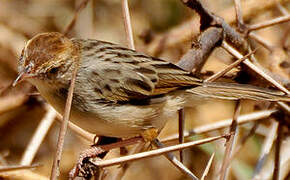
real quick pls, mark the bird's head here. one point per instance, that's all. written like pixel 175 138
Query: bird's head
pixel 45 56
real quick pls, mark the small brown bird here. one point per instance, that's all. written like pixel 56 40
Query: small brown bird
pixel 121 92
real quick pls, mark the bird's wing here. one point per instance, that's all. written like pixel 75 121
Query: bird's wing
pixel 121 74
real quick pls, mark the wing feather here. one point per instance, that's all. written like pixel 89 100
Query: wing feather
pixel 122 74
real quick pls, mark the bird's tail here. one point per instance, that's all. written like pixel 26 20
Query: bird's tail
pixel 233 91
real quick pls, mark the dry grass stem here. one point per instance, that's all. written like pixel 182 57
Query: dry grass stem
pixel 38 136
pixel 59 148
pixel 239 15
pixel 230 142
pixel 277 152
pixel 243 142
pixel 156 152
pixel 206 170
pixel 237 54
pixel 269 23
pixel 228 68
pixel 82 5
pixel 268 143
pixel 79 131
pixel 22 175
pixel 223 124
pixel 261 41
pixel 170 156
pixel 17 167
pixel 127 24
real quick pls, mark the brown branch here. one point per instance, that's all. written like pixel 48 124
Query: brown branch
pixel 157 152
pixel 237 54
pixel 277 152
pixel 268 143
pixel 230 142
pixel 209 163
pixel 228 68
pixel 17 167
pixel 223 124
pixel 56 162
pixel 170 156
pixel 239 15
pixel 196 57
pixel 82 5
pixel 268 23
pixel 181 123
pixel 127 24
pixel 38 136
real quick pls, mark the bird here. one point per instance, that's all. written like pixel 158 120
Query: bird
pixel 120 92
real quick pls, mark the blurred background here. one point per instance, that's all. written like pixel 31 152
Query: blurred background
pixel 163 28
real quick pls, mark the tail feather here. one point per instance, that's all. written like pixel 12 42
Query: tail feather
pixel 233 91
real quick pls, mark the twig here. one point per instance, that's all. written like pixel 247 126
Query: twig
pixel 82 5
pixel 239 15
pixel 205 172
pixel 277 152
pixel 243 141
pixel 261 41
pixel 223 124
pixel 17 167
pixel 196 57
pixel 79 131
pixel 38 136
pixel 156 152
pixel 268 143
pixel 170 156
pixel 235 53
pixel 228 68
pixel 181 122
pixel 269 23
pixel 230 142
pixel 127 24
pixel 56 162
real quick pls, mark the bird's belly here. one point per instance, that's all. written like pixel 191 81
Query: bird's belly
pixel 115 120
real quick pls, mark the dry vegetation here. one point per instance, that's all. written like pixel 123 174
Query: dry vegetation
pixel 163 28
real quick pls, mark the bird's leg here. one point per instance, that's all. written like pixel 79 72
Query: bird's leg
pixel 85 168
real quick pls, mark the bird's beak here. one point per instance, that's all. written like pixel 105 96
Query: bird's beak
pixel 22 76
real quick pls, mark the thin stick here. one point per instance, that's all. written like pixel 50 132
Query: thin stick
pixel 223 124
pixel 156 152
pixel 269 23
pixel 127 24
pixel 268 143
pixel 82 5
pixel 228 68
pixel 181 122
pixel 261 41
pixel 56 162
pixel 209 163
pixel 79 131
pixel 277 152
pixel 243 141
pixel 38 136
pixel 17 167
pixel 230 142
pixel 237 54
pixel 239 15
pixel 170 156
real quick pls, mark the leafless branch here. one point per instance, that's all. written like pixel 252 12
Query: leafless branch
pixel 230 142
pixel 56 162
pixel 38 136
pixel 127 24
pixel 272 22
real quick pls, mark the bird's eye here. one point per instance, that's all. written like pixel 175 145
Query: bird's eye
pixel 53 70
